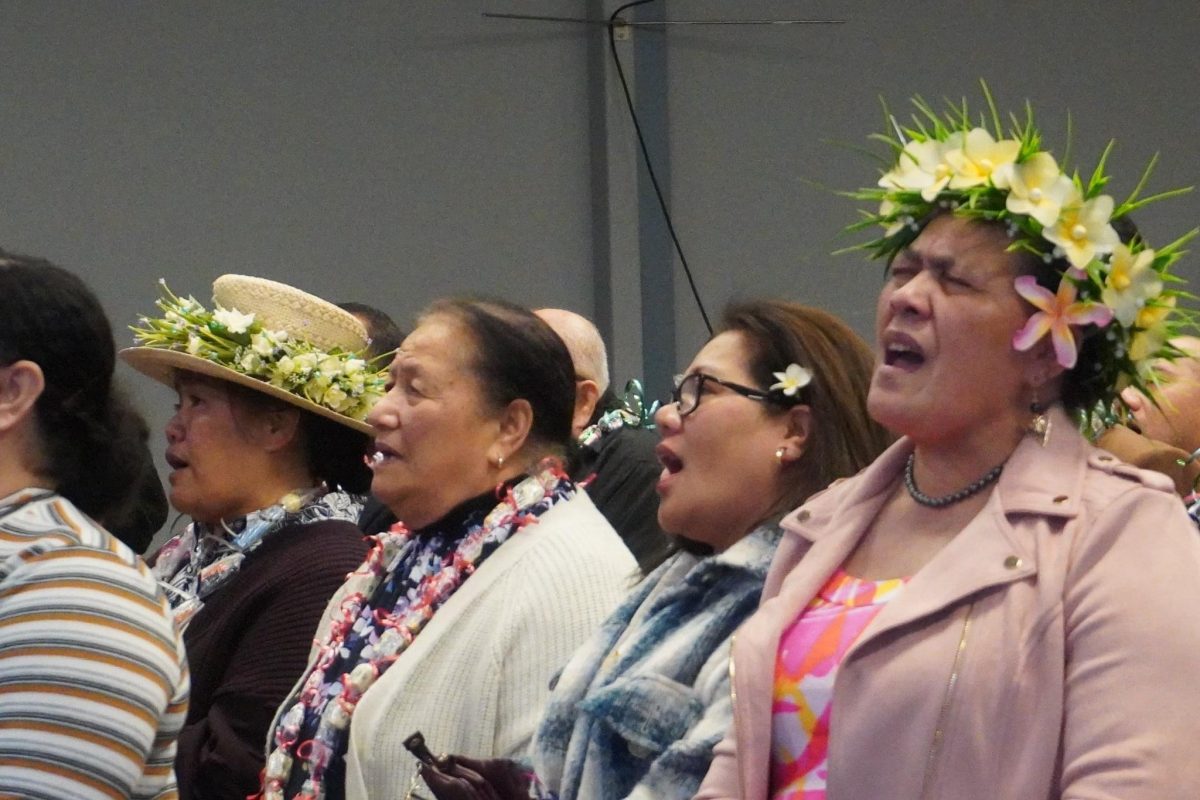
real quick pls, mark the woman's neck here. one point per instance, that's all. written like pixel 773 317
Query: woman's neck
pixel 947 465
pixel 269 496
pixel 15 477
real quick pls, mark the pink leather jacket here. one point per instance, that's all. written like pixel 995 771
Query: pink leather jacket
pixel 1051 650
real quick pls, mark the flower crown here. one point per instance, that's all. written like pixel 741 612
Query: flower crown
pixel 335 379
pixel 1118 292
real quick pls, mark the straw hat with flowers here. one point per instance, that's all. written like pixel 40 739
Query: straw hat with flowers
pixel 269 337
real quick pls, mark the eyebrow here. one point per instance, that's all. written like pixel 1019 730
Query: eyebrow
pixel 938 264
pixel 397 366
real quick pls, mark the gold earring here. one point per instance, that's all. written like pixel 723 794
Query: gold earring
pixel 1039 426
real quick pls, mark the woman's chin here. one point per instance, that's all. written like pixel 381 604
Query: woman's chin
pixel 898 417
pixel 184 503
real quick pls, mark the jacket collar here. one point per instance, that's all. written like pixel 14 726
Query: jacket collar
pixel 1045 481
pixel 1036 480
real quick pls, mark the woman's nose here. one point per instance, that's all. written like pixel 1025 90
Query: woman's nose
pixel 174 429
pixel 910 298
pixel 383 415
pixel 667 417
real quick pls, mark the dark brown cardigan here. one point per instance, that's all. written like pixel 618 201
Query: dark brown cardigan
pixel 247 648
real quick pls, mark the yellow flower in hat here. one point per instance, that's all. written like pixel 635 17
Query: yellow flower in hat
pixel 923 167
pixel 979 158
pixel 1083 231
pixel 1037 188
pixel 1132 281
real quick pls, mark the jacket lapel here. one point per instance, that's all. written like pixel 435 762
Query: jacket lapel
pixel 1044 481
pixel 818 537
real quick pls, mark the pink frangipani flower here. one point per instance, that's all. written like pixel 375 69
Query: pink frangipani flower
pixel 1055 315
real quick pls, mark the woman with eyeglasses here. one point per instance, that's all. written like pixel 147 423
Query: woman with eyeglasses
pixel 771 410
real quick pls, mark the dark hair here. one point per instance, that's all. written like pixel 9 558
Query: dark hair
pixel 139 516
pixel 383 334
pixel 333 453
pixel 517 355
pixel 844 438
pixel 91 447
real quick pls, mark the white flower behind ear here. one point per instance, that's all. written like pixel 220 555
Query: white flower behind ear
pixel 792 380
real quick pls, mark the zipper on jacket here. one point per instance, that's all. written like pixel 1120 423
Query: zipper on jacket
pixel 935 747
pixel 732 685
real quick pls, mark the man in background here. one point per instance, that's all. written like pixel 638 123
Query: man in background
pixel 615 456
pixel 1165 428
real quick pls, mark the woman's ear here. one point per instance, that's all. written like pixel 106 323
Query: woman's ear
pixel 797 430
pixel 515 422
pixel 587 395
pixel 278 428
pixel 1042 369
pixel 21 384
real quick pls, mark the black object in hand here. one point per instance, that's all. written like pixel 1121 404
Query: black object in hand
pixel 415 744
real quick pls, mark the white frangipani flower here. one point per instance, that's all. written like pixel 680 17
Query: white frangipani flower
pixel 1131 283
pixel 1037 188
pixel 791 380
pixel 923 167
pixel 1083 231
pixel 979 158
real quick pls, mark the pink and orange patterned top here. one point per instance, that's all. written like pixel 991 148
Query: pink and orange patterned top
pixel 810 651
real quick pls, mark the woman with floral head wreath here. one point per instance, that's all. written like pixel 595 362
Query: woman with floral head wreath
pixel 994 608
pixel 771 410
pixel 499 567
pixel 93 677
pixel 266 452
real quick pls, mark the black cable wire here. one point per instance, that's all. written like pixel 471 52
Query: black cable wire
pixel 662 203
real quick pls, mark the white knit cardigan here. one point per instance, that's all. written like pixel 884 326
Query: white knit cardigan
pixel 476 679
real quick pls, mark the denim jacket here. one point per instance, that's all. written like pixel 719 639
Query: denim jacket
pixel 637 710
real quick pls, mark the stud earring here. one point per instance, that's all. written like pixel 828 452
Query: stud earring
pixel 780 452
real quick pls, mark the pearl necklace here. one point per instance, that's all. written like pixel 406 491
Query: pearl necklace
pixel 910 483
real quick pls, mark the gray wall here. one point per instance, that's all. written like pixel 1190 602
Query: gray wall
pixel 761 119
pixel 397 151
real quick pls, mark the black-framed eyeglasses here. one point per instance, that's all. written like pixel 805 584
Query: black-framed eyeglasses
pixel 689 388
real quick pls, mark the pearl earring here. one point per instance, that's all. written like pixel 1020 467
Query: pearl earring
pixel 780 452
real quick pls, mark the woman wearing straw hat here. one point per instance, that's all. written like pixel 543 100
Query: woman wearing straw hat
pixel 266 454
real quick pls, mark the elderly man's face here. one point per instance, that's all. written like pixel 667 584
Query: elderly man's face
pixel 1176 419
